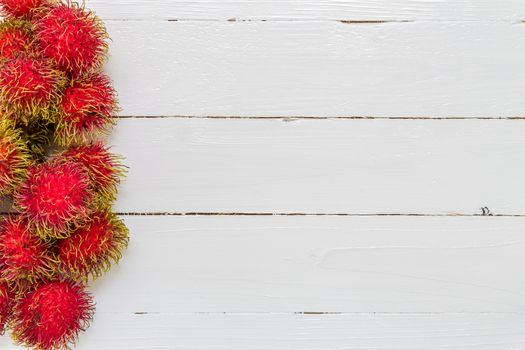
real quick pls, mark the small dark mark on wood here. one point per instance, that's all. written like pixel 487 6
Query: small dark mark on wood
pixel 141 313
pixel 346 21
pixel 232 19
pixel 318 313
pixel 485 211
pixel 362 21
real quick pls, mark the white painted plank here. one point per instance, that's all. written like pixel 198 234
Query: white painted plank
pixel 434 10
pixel 305 332
pixel 322 166
pixel 318 264
pixel 319 69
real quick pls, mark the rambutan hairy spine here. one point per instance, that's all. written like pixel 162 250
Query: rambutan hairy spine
pixel 7 299
pixel 37 134
pixel 104 168
pixel 50 316
pixel 15 39
pixel 15 158
pixel 20 8
pixel 24 256
pixel 57 178
pixel 29 87
pixel 73 37
pixel 94 247
pixel 56 197
pixel 85 111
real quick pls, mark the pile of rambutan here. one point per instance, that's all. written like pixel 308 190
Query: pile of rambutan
pixel 58 181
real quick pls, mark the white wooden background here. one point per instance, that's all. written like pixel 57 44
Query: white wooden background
pixel 309 175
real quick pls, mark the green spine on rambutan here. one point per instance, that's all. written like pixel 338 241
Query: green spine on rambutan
pixel 15 158
pixel 105 169
pixel 56 198
pixel 76 256
pixel 8 49
pixel 37 134
pixel 27 258
pixel 85 112
pixel 25 111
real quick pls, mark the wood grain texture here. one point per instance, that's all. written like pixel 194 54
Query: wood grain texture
pixel 444 167
pixel 433 10
pixel 305 332
pixel 318 264
pixel 319 69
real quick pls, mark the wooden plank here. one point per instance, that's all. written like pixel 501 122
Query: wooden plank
pixel 318 264
pixel 305 332
pixel 433 10
pixel 444 167
pixel 319 69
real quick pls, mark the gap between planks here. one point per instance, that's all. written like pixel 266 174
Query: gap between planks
pixel 482 214
pixel 309 313
pixel 342 21
pixel 292 118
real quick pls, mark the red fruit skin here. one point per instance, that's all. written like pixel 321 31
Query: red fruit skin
pixel 55 197
pixel 19 8
pixel 86 108
pixel 24 255
pixel 104 168
pixel 52 315
pixel 6 305
pixel 15 40
pixel 92 249
pixel 72 37
pixel 28 85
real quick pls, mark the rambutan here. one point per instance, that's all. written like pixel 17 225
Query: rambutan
pixel 105 169
pixel 6 304
pixel 57 179
pixel 51 315
pixel 72 37
pixel 20 8
pixel 28 86
pixel 92 248
pixel 55 198
pixel 15 38
pixel 24 255
pixel 37 135
pixel 85 110
pixel 14 159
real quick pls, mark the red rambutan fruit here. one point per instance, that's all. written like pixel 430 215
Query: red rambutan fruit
pixel 28 86
pixel 51 315
pixel 20 8
pixel 85 110
pixel 24 255
pixel 15 39
pixel 6 304
pixel 105 169
pixel 92 248
pixel 14 159
pixel 55 198
pixel 72 37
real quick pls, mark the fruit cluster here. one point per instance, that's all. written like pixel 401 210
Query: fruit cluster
pixel 57 179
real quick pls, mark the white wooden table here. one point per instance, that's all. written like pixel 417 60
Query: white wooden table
pixel 310 175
